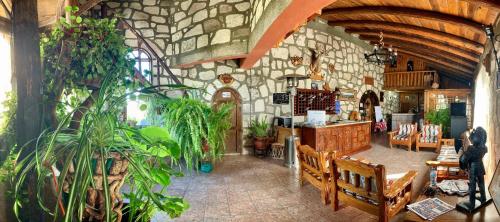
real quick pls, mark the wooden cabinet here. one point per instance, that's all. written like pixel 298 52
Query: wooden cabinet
pixel 344 138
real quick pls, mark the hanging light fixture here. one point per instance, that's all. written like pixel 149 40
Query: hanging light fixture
pixel 381 54
pixel 490 33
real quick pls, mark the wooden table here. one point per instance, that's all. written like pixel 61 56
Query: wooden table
pixel 488 213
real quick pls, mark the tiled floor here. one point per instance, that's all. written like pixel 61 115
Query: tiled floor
pixel 246 188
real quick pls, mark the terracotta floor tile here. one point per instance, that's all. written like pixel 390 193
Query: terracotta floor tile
pixel 245 188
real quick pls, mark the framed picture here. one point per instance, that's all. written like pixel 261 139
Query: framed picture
pixel 347 95
pixel 314 85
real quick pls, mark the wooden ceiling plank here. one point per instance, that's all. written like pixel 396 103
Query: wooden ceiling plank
pixel 458 69
pixel 407 12
pixel 416 40
pixel 7 10
pixel 443 36
pixel 492 4
pixel 421 48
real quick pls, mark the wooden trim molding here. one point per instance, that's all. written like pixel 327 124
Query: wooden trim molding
pixel 294 15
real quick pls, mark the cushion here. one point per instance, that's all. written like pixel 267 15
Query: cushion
pixel 429 134
pixel 404 132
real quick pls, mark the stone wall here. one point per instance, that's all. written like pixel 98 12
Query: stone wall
pixel 257 84
pixel 202 23
pixel 215 26
pixel 487 106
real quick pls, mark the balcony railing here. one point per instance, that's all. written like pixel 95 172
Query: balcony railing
pixel 414 80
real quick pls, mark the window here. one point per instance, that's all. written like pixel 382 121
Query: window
pixel 5 70
pixel 143 62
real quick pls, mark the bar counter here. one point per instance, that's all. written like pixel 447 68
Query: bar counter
pixel 346 137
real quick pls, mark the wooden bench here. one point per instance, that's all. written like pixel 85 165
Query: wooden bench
pixel 363 186
pixel 313 166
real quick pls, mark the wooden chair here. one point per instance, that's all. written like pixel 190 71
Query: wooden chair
pixel 364 186
pixel 430 137
pixel 278 143
pixel 405 135
pixel 313 166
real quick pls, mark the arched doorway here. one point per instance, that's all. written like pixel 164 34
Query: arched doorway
pixel 234 136
pixel 367 104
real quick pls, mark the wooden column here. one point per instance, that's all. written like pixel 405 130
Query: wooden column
pixel 27 71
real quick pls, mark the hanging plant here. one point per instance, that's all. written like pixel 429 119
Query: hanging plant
pixel 76 55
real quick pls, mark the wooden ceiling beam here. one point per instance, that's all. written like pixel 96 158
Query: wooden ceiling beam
pixel 420 40
pixel 6 9
pixel 493 4
pixel 424 49
pixel 407 12
pixel 411 29
pixel 456 69
pixel 421 37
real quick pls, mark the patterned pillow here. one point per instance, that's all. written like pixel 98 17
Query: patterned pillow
pixel 405 131
pixel 430 134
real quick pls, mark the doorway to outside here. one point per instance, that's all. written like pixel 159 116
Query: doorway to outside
pixel 234 135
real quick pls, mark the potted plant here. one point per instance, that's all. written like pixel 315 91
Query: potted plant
pixel 87 154
pixel 199 129
pixel 259 132
pixel 440 117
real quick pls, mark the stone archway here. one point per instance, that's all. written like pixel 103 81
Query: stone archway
pixel 367 104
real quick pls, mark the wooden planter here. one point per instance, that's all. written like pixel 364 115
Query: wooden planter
pixel 117 169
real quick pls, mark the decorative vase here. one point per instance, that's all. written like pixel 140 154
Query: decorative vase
pixel 117 169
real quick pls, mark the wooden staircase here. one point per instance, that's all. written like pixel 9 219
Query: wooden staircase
pixel 414 80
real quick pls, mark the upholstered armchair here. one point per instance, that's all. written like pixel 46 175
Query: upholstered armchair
pixel 364 186
pixel 404 136
pixel 429 137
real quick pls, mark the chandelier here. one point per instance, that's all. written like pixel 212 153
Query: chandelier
pixel 381 54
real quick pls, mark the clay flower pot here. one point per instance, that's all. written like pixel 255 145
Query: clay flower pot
pixel 259 143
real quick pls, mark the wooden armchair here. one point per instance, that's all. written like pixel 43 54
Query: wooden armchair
pixel 405 135
pixel 313 166
pixel 430 137
pixel 364 186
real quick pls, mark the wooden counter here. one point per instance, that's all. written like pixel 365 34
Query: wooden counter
pixel 345 138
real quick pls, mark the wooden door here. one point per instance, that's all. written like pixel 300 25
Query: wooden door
pixel 233 137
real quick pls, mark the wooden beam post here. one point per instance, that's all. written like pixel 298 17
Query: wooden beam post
pixel 27 71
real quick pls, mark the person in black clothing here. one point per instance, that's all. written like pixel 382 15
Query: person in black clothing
pixel 472 161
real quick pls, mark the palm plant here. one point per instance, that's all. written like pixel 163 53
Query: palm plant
pixel 259 128
pixel 259 131
pixel 77 155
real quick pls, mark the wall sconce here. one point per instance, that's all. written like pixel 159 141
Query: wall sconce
pixel 490 33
